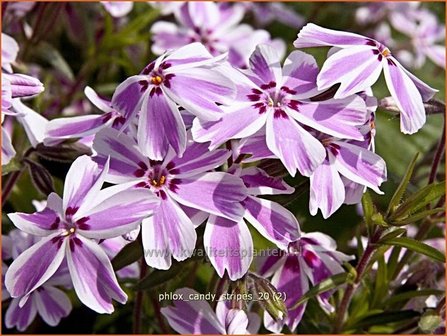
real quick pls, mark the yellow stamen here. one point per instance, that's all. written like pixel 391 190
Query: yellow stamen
pixel 373 124
pixel 386 52
pixel 159 183
pixel 156 80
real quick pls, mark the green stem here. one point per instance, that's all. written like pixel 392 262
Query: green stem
pixel 139 299
pixel 351 288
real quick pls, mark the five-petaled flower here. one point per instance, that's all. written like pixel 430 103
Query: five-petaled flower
pixel 188 77
pixel 186 187
pixel 69 226
pixel 278 99
pixel 358 65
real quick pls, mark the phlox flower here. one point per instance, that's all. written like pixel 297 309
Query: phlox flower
pixel 185 77
pixel 67 227
pixel 310 260
pixel 278 100
pixel 358 65
pixel 229 244
pixel 217 26
pixel 198 318
pixel 426 33
pixel 186 188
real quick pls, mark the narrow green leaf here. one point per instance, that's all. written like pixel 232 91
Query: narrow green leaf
pixel 399 193
pixel 385 318
pixel 158 277
pixel 417 217
pixel 51 55
pixel 393 234
pixel 416 246
pixel 419 200
pixel 129 254
pixel 393 260
pixel 368 208
pixel 325 285
pixel 412 294
pixel 381 284
pixel 12 166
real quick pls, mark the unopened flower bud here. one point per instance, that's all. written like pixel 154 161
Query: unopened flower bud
pixel 267 295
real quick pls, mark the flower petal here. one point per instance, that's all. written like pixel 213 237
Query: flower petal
pixel 300 73
pixel 52 304
pixel 74 127
pixel 217 193
pixel 8 151
pixel 115 211
pixel 294 146
pixel 327 191
pixel 356 68
pixel 258 182
pixel 167 36
pixel 198 159
pixel 236 322
pixel 272 220
pixel 33 123
pixel 229 246
pixel 20 317
pixel 290 280
pixel 249 121
pixel 35 266
pixel 312 35
pixel 128 96
pixel 93 278
pixel 82 183
pixel 338 117
pixel 23 85
pixel 407 98
pixel 192 317
pixel 124 153
pixel 169 232
pixel 265 65
pixel 160 125
pixel 199 89
pixel 41 223
pixel 360 165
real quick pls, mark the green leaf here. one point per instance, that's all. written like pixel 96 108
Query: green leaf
pixel 381 285
pixel 325 285
pixel 416 246
pixel 398 194
pixel 384 318
pixel 129 254
pixel 12 166
pixel 368 209
pixel 51 55
pixel 417 217
pixel 412 294
pixel 419 200
pixel 393 234
pixel 159 277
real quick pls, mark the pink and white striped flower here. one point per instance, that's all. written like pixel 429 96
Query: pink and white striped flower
pixel 68 228
pixel 358 65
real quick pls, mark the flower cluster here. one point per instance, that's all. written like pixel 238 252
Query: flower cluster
pixel 176 149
